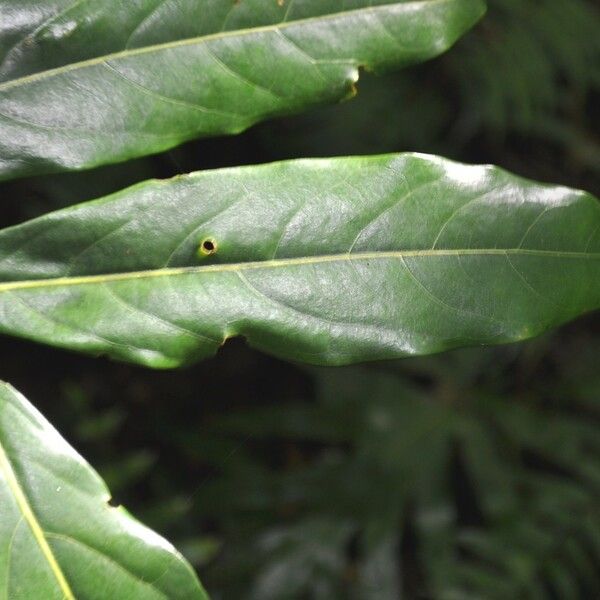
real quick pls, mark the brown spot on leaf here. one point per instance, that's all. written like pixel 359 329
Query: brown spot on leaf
pixel 208 246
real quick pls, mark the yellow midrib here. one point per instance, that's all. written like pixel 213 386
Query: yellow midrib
pixel 202 39
pixel 29 516
pixel 282 263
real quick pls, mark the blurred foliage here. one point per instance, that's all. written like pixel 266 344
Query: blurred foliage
pixel 471 475
pixel 451 477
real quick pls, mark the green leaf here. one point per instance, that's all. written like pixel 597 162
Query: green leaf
pixel 279 57
pixel 324 261
pixel 59 537
pixel 36 36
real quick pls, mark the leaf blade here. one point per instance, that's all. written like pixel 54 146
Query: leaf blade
pixel 146 100
pixel 108 540
pixel 325 261
pixel 29 517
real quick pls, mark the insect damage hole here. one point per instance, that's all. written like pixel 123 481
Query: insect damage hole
pixel 208 246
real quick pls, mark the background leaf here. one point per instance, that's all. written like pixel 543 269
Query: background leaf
pixel 140 101
pixel 60 537
pixel 329 261
pixel 447 477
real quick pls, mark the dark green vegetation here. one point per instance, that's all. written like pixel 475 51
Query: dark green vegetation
pixel 472 474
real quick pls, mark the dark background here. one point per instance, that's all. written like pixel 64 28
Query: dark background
pixel 473 474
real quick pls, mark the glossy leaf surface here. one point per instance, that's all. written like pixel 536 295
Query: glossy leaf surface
pixel 325 261
pixel 59 537
pixel 143 88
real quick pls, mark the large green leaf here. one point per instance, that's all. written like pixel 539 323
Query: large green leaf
pixel 35 36
pixel 325 261
pixel 59 537
pixel 277 57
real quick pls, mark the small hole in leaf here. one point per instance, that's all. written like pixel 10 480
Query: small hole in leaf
pixel 208 247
